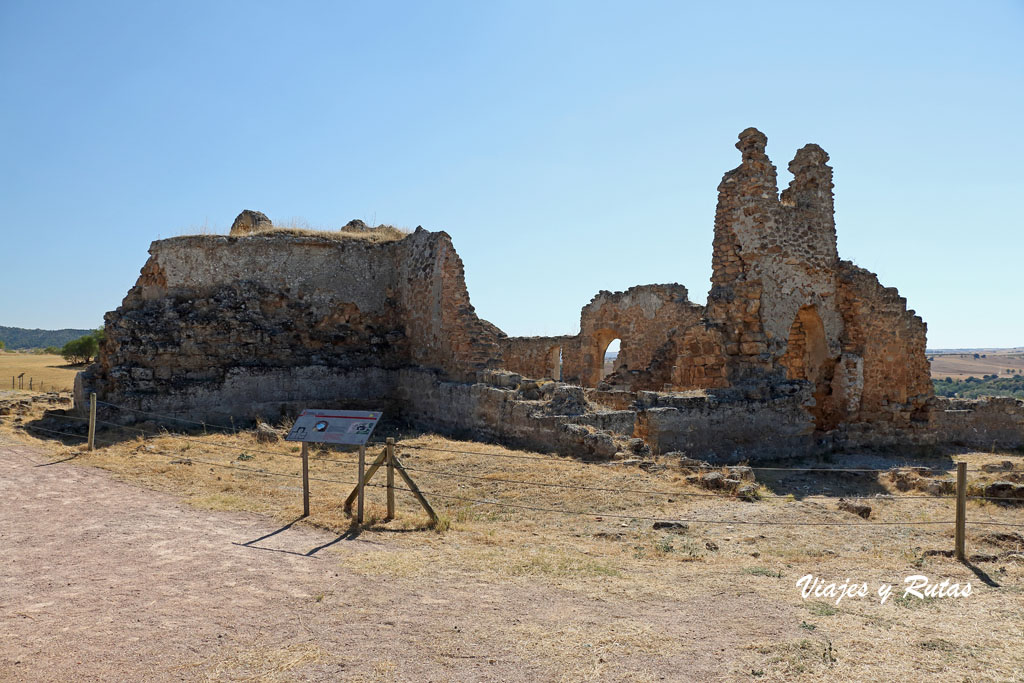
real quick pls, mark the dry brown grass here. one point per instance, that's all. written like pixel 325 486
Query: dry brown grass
pixel 53 371
pixel 380 234
pixel 964 365
pixel 612 555
pixel 298 227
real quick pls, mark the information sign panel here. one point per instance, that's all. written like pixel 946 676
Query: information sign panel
pixel 352 427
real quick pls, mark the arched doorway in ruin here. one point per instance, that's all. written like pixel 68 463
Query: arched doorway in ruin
pixel 807 358
pixel 554 363
pixel 601 341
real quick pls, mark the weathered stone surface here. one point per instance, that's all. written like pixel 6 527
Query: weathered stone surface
pixel 855 507
pixel 1006 490
pixel 748 493
pixel 266 434
pixel 249 222
pixel 258 326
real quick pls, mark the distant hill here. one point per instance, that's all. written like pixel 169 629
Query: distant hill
pixel 20 338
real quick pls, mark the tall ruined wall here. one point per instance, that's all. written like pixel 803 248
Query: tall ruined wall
pixel 771 258
pixel 783 307
pixel 431 290
pixel 884 368
pixel 255 324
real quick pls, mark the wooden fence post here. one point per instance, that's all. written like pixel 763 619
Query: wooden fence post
pixel 391 477
pixel 961 510
pixel 361 484
pixel 305 479
pixel 92 421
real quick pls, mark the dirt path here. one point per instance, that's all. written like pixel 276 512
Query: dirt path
pixel 102 580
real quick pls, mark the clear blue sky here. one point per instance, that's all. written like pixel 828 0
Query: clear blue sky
pixel 567 147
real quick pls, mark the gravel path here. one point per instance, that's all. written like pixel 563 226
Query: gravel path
pixel 103 580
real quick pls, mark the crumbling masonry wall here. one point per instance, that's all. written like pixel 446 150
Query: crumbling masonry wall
pixel 641 317
pixel 261 324
pixel 795 349
pixel 538 357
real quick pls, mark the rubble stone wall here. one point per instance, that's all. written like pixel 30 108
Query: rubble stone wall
pixel 794 350
pixel 538 357
pixel 978 423
pixel 245 325
pixel 885 369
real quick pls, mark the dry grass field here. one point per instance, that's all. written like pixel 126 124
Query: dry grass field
pixel 53 371
pixel 963 365
pixel 632 599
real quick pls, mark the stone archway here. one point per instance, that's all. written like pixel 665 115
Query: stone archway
pixel 807 358
pixel 599 344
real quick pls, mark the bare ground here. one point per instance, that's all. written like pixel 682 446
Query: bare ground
pixel 147 569
pixel 103 580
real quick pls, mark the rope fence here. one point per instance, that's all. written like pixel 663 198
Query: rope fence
pixel 145 434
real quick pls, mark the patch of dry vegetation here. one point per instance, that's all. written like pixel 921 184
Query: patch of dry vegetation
pixel 378 234
pixel 635 579
pixel 53 371
pixel 298 227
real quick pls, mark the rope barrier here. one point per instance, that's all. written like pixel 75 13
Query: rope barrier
pixel 582 487
pixel 569 461
pixel 158 435
pixel 516 506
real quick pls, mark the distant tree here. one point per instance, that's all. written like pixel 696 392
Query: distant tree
pixel 1 344
pixel 81 350
pixel 983 355
pixel 52 350
pixel 977 355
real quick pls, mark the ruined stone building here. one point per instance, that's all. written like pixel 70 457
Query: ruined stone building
pixel 794 350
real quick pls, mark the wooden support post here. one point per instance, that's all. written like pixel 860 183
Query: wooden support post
pixel 390 449
pixel 361 485
pixel 305 479
pixel 369 474
pixel 92 421
pixel 415 489
pixel 961 510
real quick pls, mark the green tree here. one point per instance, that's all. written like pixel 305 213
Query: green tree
pixel 52 350
pixel 81 350
pixel 1 344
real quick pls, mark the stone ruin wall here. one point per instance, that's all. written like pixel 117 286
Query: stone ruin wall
pixel 636 317
pixel 642 318
pixel 782 306
pixel 795 349
pixel 537 357
pixel 261 324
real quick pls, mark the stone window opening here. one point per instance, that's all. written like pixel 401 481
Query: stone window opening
pixel 554 363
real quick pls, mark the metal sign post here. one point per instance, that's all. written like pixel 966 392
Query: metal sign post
pixel 350 427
